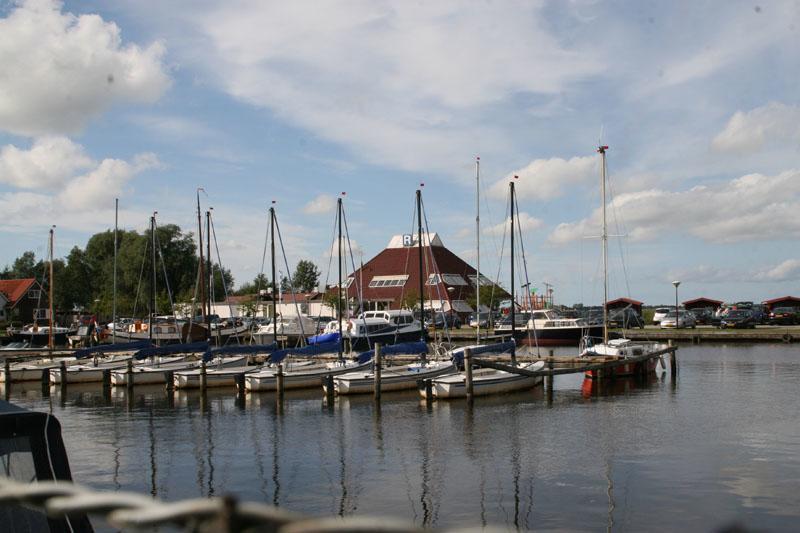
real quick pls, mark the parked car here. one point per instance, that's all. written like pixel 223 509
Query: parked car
pixel 660 313
pixel 738 319
pixel 683 319
pixel 784 316
pixel 703 315
pixel 479 319
pixel 451 320
pixel 625 318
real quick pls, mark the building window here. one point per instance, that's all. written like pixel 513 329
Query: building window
pixel 388 281
pixel 484 280
pixel 434 279
pixel 454 280
pixel 34 294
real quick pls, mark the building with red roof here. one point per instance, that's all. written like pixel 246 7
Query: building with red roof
pixel 391 279
pixel 622 303
pixel 783 301
pixel 22 296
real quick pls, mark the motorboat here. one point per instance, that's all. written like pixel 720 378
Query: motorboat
pixel 485 381
pixel 393 378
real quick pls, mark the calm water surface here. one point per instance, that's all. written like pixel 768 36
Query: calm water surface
pixel 720 445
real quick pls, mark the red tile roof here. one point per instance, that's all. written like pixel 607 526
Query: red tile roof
pixel 700 301
pixel 14 289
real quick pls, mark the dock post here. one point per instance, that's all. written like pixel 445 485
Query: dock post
pixel 468 371
pixel 240 388
pixel 169 375
pixel 377 371
pixel 7 377
pixel 279 377
pixel 129 375
pixel 329 390
pixel 673 362
pixel 107 384
pixel 45 382
pixel 549 379
pixel 203 377
pixel 428 390
pixel 63 371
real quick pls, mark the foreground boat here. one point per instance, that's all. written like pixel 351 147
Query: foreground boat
pixel 393 378
pixel 485 381
pixel 224 376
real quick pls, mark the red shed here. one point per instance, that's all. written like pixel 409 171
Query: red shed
pixel 702 303
pixel 784 301
pixel 621 303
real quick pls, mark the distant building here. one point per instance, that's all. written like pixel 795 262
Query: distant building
pixel 622 303
pixel 783 301
pixel 23 297
pixel 702 303
pixel 391 279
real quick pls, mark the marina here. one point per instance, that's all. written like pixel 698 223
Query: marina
pixel 518 460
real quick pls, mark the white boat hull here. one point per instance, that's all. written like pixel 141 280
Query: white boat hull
pixel 226 377
pixel 32 371
pixel 484 383
pixel 392 378
pixel 267 380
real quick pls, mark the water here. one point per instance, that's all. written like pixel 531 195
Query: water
pixel 719 446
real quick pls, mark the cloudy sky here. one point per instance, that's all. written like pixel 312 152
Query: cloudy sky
pixel 297 102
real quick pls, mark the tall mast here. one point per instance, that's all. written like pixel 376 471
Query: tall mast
pixel 604 240
pixel 274 285
pixel 153 291
pixel 209 274
pixel 114 292
pixel 202 261
pixel 339 286
pixel 478 247
pixel 422 281
pixel 513 301
pixel 50 299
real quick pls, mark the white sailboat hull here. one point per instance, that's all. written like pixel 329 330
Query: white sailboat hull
pixel 392 378
pixel 300 379
pixel 485 382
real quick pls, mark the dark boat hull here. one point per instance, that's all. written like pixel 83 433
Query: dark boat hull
pixel 556 336
pixel 359 344
pixel 39 340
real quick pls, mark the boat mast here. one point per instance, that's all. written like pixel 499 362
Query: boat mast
pixel 422 281
pixel 153 291
pixel 202 261
pixel 604 240
pixel 50 343
pixel 274 285
pixel 478 247
pixel 513 302
pixel 114 292
pixel 209 274
pixel 339 287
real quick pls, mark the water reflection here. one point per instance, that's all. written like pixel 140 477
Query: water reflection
pixel 614 450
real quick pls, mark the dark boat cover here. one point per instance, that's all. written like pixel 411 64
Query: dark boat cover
pixel 496 348
pixel 239 350
pixel 314 349
pixel 118 347
pixel 192 347
pixel 414 348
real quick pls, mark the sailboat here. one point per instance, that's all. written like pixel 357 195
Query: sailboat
pixel 619 347
pixel 490 381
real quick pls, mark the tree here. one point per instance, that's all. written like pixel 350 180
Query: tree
pixel 491 295
pixel 410 299
pixel 306 276
pixel 259 283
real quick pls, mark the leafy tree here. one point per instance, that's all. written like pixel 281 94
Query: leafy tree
pixel 491 296
pixel 24 266
pixel 306 276
pixel 260 282
pixel 410 299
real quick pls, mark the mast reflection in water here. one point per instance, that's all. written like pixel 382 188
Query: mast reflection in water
pixel 719 446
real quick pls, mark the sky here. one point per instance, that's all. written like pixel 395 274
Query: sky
pixel 297 103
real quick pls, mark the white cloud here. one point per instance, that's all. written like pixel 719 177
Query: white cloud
pixel 49 163
pixel 545 179
pixel 104 183
pixel 526 223
pixel 788 270
pixel 60 70
pixel 749 131
pixel 751 207
pixel 322 204
pixel 397 83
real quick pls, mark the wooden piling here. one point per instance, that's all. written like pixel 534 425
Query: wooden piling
pixel 549 379
pixel 240 388
pixel 429 390
pixel 45 382
pixel 7 377
pixel 106 378
pixel 169 377
pixel 129 375
pixel 673 361
pixel 63 371
pixel 329 390
pixel 377 371
pixel 468 371
pixel 279 377
pixel 203 382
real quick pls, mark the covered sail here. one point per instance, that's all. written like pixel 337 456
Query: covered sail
pixel 324 337
pixel 314 349
pixel 496 348
pixel 192 347
pixel 239 350
pixel 411 348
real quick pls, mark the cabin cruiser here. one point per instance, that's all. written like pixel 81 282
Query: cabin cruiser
pixel 291 327
pixel 547 327
pixel 386 327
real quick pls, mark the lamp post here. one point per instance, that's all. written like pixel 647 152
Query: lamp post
pixel 677 313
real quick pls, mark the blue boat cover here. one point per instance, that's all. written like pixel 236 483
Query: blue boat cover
pixel 323 338
pixel 498 347
pixel 118 347
pixel 415 348
pixel 239 350
pixel 192 347
pixel 314 349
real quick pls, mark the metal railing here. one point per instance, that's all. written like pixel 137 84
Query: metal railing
pixel 132 511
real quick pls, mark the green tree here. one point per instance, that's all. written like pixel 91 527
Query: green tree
pixel 491 296
pixel 410 299
pixel 306 276
pixel 259 283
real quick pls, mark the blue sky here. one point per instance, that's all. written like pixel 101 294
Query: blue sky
pixel 297 102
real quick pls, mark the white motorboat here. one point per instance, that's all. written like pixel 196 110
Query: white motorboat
pixel 32 370
pixel 292 327
pixel 295 377
pixel 393 378
pixel 145 375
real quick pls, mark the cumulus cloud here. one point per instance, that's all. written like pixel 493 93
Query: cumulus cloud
pixel 104 183
pixel 751 130
pixel 60 70
pixel 545 179
pixel 754 206
pixel 49 163
pixel 526 223
pixel 784 271
pixel 376 76
pixel 322 204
